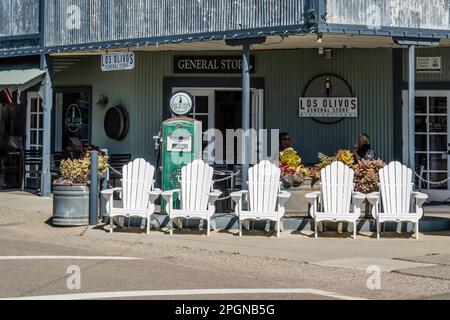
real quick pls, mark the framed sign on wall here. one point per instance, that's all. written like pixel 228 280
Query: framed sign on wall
pixel 328 99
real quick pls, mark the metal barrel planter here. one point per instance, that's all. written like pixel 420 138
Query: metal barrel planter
pixel 70 205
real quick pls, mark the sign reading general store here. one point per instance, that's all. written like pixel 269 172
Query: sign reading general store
pixel 118 61
pixel 210 64
pixel 320 107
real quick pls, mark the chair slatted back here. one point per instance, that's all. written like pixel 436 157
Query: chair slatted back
pixel 396 186
pixel 196 183
pixel 337 188
pixel 137 181
pixel 263 187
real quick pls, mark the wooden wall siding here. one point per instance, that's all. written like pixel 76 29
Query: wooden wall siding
pixel 109 20
pixel 429 14
pixel 19 17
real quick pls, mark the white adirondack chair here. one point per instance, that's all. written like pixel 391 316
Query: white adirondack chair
pixel 264 199
pixel 197 197
pixel 137 193
pixel 334 200
pixel 397 197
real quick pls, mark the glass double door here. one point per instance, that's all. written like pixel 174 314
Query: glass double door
pixel 432 140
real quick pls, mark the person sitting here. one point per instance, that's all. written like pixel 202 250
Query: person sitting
pixel 285 141
pixel 364 150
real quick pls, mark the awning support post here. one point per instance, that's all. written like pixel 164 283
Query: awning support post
pixel 245 112
pixel 246 107
pixel 47 105
pixel 411 104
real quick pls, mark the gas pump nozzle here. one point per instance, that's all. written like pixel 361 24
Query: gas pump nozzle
pixel 158 141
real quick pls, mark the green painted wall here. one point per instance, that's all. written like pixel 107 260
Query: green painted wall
pixel 444 76
pixel 286 73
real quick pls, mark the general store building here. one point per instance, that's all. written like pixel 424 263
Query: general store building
pixel 375 51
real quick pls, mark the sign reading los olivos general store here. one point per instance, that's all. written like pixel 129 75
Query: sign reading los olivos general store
pixel 320 107
pixel 118 61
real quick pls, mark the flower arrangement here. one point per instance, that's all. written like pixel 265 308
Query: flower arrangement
pixel 366 171
pixel 366 175
pixel 293 172
pixel 345 156
pixel 78 171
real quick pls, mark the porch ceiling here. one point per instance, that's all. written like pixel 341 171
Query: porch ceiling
pixel 272 43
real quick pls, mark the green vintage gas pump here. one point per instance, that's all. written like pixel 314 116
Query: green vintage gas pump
pixel 181 143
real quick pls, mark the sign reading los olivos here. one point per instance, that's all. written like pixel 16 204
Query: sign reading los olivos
pixel 320 107
pixel 118 61
pixel 181 103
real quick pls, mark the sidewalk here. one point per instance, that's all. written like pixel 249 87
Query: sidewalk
pixel 25 201
pixel 393 252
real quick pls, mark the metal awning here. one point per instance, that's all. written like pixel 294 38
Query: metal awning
pixel 20 77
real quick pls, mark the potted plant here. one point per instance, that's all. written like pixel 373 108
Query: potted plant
pixel 293 172
pixel 71 190
pixel 367 178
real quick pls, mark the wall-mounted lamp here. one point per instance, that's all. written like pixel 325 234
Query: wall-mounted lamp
pixel 103 101
pixel 319 38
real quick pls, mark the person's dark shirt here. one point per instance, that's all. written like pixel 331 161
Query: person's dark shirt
pixel 367 153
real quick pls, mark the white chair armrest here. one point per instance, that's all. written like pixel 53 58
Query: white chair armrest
pixel 313 201
pixel 283 197
pixel 420 198
pixel 108 193
pixel 312 197
pixel 373 198
pixel 237 196
pixel 167 195
pixel 358 199
pixel 154 194
pixel 214 195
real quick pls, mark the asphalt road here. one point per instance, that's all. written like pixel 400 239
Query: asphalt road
pixel 71 268
pixel 38 261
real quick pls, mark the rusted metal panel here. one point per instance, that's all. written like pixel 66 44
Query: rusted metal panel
pixel 413 14
pixel 19 17
pixel 109 20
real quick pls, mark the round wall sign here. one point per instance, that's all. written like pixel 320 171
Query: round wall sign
pixel 328 86
pixel 181 103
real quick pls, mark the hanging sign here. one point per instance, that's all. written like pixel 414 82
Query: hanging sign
pixel 429 64
pixel 210 64
pixel 181 103
pixel 328 99
pixel 118 61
